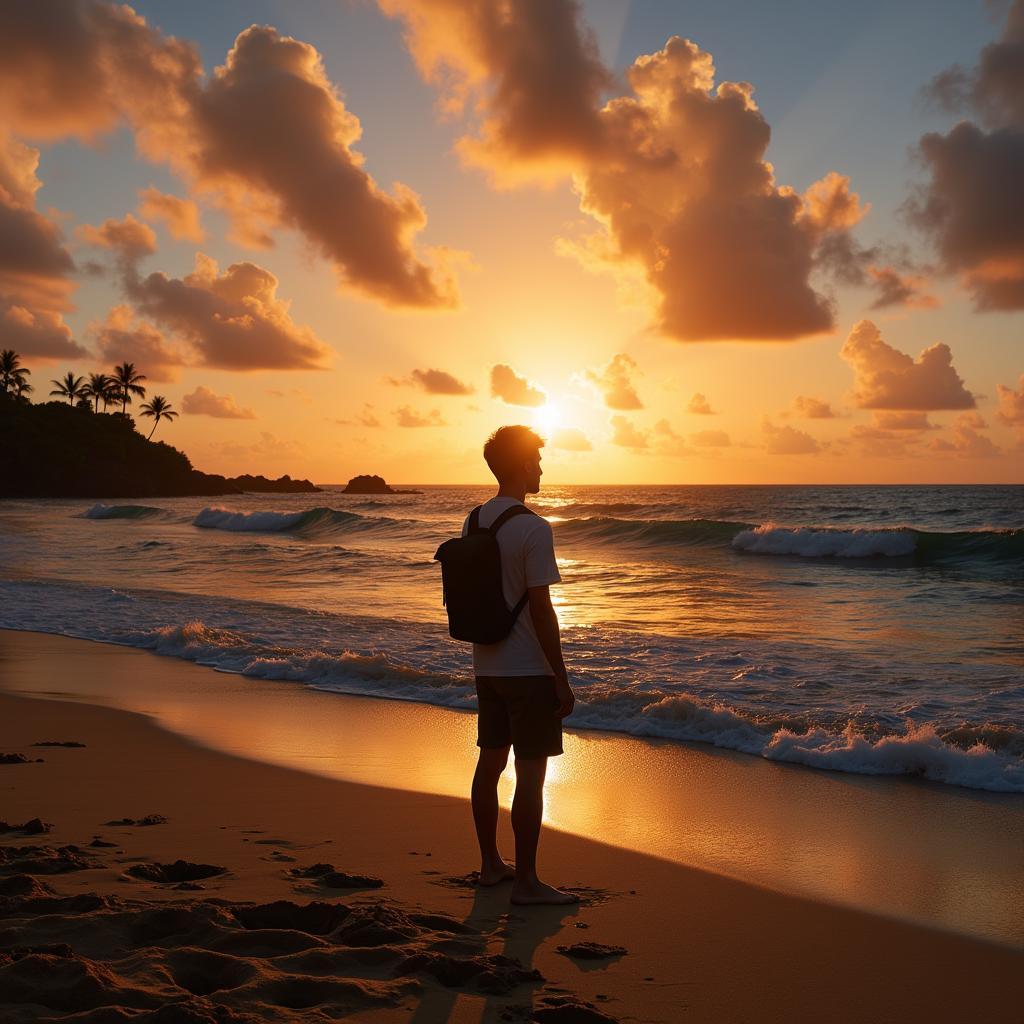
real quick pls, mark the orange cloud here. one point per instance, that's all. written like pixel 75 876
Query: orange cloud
pixel 812 408
pixel 440 382
pixel 41 333
pixel 626 435
pixel 129 238
pixel 181 216
pixel 121 338
pixel 886 420
pixel 668 442
pixel 787 440
pixel 886 378
pixel 234 320
pixel 683 190
pixel 513 389
pixel 711 439
pixel 966 442
pixel 971 206
pixel 570 439
pixel 614 382
pixel 1011 404
pixel 531 70
pixel 204 402
pixel 896 289
pixel 700 406
pixel 409 417
pixel 273 140
pixel 266 135
pixel 34 265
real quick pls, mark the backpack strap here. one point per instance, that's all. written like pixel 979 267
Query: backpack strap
pixel 474 520
pixel 509 513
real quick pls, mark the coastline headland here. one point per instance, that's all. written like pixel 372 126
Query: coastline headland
pixel 54 450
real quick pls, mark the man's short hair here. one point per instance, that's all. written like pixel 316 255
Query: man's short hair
pixel 509 447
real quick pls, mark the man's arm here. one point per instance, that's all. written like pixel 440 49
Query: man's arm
pixel 545 622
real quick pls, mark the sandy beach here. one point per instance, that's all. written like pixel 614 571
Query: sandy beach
pixel 271 933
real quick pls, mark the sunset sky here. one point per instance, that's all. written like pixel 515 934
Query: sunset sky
pixel 701 242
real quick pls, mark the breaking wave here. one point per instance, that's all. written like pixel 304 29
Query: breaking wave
pixel 101 511
pixel 917 546
pixel 314 522
pixel 977 759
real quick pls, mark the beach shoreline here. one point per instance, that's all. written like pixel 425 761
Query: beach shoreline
pixel 901 848
pixel 700 945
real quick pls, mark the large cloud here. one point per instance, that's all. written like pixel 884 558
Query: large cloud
pixel 513 389
pixel 889 379
pixel 234 320
pixel 35 267
pixel 271 128
pixel 120 338
pixel 266 135
pixel 205 402
pixel 674 172
pixel 615 383
pixel 531 68
pixel 973 205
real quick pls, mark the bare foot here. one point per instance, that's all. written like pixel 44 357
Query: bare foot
pixel 530 893
pixel 495 874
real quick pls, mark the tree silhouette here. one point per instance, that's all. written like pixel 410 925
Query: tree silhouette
pixel 126 381
pixel 100 388
pixel 13 374
pixel 71 387
pixel 160 409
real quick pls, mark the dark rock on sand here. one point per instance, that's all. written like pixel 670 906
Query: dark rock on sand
pixel 58 743
pixel 331 879
pixel 179 871
pixel 149 819
pixel 16 759
pixel 592 951
pixel 35 827
pixel 42 860
pixel 101 842
pixel 24 887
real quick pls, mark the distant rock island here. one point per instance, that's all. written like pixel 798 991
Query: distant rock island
pixel 370 484
pixel 53 450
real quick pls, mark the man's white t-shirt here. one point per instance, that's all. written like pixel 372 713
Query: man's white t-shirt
pixel 527 560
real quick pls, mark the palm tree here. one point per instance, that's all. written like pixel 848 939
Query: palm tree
pixel 126 381
pixel 160 409
pixel 13 374
pixel 71 387
pixel 100 389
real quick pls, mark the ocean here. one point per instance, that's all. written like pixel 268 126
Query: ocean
pixel 870 630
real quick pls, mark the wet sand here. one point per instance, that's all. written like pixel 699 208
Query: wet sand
pixel 423 946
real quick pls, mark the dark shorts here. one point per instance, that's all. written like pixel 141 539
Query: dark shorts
pixel 521 712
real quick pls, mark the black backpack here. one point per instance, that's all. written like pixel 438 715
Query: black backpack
pixel 471 577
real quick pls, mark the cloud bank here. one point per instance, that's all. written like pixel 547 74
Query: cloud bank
pixel 513 389
pixel 886 378
pixel 204 402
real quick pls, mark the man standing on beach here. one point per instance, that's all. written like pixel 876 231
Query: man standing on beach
pixel 522 687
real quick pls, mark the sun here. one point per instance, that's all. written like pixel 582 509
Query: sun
pixel 547 418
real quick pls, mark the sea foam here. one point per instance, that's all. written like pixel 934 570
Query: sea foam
pixel 919 751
